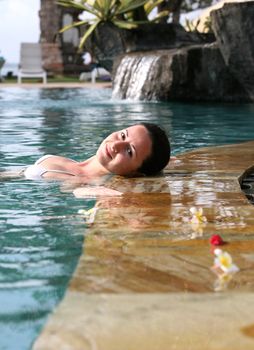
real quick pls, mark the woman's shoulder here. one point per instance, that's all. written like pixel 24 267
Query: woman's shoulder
pixel 41 159
pixel 53 159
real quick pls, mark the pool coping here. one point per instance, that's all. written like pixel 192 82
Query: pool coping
pixel 150 287
pixel 59 85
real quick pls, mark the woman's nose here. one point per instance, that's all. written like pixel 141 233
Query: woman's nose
pixel 118 146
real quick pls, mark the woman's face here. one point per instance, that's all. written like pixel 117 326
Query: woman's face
pixel 124 151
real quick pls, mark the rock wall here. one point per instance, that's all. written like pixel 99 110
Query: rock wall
pixel 108 41
pixel 200 74
pixel 143 77
pixel 233 26
pixel 221 71
pixel 195 73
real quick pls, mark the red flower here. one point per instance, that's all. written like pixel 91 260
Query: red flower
pixel 216 240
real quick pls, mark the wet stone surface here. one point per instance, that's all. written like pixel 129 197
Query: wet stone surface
pixel 148 278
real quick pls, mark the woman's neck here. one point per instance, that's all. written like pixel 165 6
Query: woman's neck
pixel 92 168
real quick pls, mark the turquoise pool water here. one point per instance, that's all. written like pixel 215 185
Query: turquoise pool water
pixel 41 235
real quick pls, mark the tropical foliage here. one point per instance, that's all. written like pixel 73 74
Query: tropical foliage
pixel 119 12
pixel 193 26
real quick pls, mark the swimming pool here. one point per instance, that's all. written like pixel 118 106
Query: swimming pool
pixel 41 233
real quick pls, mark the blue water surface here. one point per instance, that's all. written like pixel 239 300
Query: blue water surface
pixel 41 234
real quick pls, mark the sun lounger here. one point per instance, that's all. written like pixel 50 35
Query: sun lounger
pixel 100 73
pixel 31 62
pixel 2 61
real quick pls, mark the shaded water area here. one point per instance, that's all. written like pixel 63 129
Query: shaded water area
pixel 247 184
pixel 41 233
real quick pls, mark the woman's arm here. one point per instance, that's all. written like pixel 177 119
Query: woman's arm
pixel 95 191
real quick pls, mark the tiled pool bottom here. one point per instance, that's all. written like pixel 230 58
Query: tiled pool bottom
pixel 151 287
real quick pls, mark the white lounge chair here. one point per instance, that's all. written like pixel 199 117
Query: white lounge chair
pixel 99 72
pixel 2 62
pixel 30 65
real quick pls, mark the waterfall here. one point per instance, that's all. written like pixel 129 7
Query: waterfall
pixel 132 75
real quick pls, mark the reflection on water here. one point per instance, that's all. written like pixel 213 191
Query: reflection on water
pixel 40 244
pixel 41 234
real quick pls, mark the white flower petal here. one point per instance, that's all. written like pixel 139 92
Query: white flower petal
pixel 233 269
pixel 193 210
pixel 217 251
pixel 200 211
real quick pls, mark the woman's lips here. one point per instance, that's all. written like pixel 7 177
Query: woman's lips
pixel 108 152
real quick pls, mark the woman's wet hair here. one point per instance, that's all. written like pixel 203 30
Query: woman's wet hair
pixel 160 153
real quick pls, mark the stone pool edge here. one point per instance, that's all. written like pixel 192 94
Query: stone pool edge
pixel 133 321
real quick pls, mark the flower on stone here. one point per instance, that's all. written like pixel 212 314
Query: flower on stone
pixel 216 240
pixel 197 230
pixel 222 282
pixel 224 262
pixel 89 215
pixel 224 268
pixel 197 216
pixel 197 221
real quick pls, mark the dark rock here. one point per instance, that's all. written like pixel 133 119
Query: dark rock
pixel 109 41
pixel 143 76
pixel 233 26
pixel 160 36
pixel 196 73
pixel 106 43
pixel 200 74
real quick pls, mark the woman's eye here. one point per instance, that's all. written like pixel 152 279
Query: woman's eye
pixel 129 151
pixel 123 136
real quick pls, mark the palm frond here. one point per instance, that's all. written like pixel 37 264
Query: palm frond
pixel 160 15
pixel 88 33
pixel 150 5
pixel 72 25
pixel 125 24
pixel 129 5
pixel 106 10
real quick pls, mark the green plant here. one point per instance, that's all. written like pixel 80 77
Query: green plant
pixel 200 26
pixel 118 12
pixel 208 25
pixel 191 25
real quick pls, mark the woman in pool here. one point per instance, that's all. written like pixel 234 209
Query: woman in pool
pixel 141 149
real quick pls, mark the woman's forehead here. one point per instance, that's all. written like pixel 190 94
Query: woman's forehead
pixel 137 129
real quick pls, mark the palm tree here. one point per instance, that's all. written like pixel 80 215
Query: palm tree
pixel 125 14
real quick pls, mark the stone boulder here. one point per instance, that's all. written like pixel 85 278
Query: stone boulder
pixel 109 41
pixel 200 74
pixel 161 36
pixel 233 25
pixel 106 43
pixel 194 73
